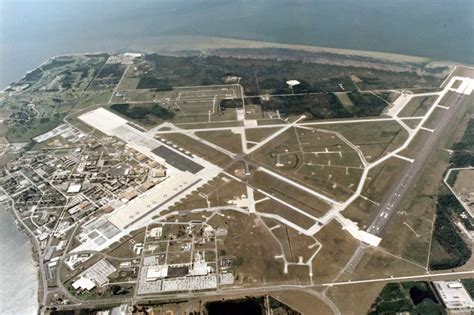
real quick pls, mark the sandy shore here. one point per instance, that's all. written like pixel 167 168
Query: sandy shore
pixel 203 43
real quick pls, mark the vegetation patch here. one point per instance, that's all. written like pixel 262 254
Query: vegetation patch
pixel 143 112
pixel 320 106
pixel 149 82
pixel 410 297
pixel 366 104
pixel 464 150
pixel 449 249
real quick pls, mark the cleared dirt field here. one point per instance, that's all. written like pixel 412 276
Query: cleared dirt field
pixel 344 100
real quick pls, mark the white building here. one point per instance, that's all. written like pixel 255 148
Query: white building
pixel 454 296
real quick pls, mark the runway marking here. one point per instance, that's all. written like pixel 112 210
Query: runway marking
pixel 441 106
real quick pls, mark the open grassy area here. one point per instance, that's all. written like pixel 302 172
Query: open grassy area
pixel 377 264
pixel 286 192
pixel 302 302
pixel 360 211
pixel 409 233
pixel 225 139
pixel 196 147
pixel 256 262
pixel 381 177
pixel 338 247
pixel 375 139
pixel 259 134
pixel 418 106
pixel 319 159
pixel 344 297
pixel 273 207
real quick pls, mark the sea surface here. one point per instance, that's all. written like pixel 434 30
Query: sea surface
pixel 33 30
pixel 18 274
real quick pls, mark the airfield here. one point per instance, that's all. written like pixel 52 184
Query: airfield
pixel 276 166
pixel 175 188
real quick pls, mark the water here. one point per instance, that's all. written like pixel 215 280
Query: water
pixel 33 30
pixel 250 306
pixel 18 274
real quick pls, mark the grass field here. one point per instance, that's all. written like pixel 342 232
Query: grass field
pixel 198 148
pixel 374 139
pixel 223 138
pixel 345 100
pixel 418 106
pixel 295 196
pixel 381 177
pixel 377 264
pixel 259 134
pixel 338 247
pixel 257 262
pixel 435 118
pixel 409 233
pixel 344 297
pixel 360 211
pixel 273 207
pixel 316 158
pixel 412 123
pixel 413 148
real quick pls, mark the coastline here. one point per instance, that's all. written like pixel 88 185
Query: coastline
pixel 206 44
pixel 203 43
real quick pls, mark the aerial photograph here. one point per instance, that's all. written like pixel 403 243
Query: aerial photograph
pixel 236 157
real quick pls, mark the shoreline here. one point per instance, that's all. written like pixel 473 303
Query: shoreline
pixel 203 43
pixel 206 44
